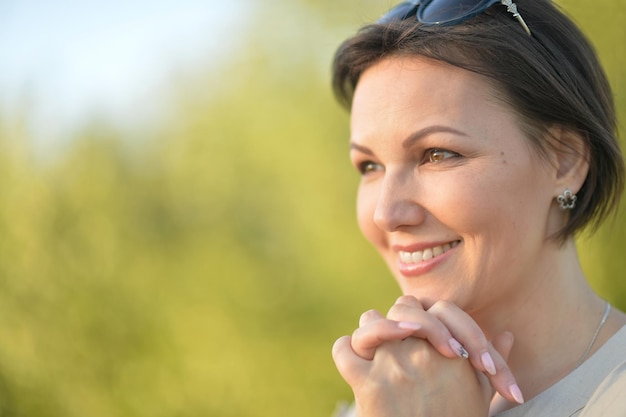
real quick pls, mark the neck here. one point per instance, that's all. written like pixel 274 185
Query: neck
pixel 554 310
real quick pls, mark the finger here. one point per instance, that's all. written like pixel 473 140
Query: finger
pixel 428 327
pixel 368 337
pixel 410 301
pixel 503 381
pixel 503 343
pixel 467 332
pixel 482 354
pixel 350 366
pixel 369 316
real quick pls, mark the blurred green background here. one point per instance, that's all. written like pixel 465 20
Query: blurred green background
pixel 204 265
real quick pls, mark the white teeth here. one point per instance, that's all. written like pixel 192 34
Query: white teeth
pixel 426 254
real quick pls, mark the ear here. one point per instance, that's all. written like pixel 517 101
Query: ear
pixel 570 156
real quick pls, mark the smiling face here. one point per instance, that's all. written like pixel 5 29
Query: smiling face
pixel 452 193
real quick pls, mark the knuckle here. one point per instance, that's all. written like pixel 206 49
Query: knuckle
pixel 339 346
pixel 369 315
pixel 370 331
pixel 441 306
pixel 396 311
pixel 356 334
pixel 475 333
pixel 476 339
pixel 402 311
pixel 408 299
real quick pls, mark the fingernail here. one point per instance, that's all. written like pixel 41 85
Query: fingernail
pixel 516 393
pixel 409 326
pixel 487 361
pixel 458 348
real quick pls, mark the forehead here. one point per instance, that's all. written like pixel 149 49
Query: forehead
pixel 406 92
pixel 416 79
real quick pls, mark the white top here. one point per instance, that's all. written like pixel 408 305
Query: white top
pixel 595 388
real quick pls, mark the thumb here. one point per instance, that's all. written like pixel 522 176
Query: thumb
pixel 503 343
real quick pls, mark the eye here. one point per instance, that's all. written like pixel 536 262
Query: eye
pixel 437 155
pixel 367 167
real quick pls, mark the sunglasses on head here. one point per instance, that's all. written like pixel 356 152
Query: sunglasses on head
pixel 447 12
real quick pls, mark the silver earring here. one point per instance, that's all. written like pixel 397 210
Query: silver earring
pixel 567 200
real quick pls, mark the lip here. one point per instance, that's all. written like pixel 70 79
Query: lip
pixel 421 246
pixel 414 270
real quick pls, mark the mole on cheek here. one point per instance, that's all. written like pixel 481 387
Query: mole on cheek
pixel 503 160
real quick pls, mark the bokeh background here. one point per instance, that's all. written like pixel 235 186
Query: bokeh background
pixel 191 250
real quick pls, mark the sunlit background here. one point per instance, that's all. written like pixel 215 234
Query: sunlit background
pixel 177 233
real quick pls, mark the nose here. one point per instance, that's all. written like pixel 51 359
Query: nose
pixel 397 206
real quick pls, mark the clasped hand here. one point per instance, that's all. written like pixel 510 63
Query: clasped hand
pixel 424 362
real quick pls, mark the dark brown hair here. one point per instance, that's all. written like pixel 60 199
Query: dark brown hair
pixel 552 78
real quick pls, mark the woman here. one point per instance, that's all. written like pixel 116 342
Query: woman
pixel 485 137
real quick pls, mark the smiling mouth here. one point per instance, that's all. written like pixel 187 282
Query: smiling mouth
pixel 426 254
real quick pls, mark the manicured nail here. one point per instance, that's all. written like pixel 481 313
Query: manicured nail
pixel 458 348
pixel 487 362
pixel 406 325
pixel 516 393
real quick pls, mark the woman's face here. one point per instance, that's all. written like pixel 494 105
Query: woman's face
pixel 452 194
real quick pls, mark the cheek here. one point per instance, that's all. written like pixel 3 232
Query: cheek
pixel 366 205
pixel 493 202
pixel 472 201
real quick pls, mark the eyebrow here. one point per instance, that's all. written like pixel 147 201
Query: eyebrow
pixel 415 136
pixel 362 149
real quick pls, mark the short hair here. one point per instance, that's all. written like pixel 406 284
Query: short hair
pixel 551 78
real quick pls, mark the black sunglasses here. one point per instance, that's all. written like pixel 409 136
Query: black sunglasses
pixel 447 12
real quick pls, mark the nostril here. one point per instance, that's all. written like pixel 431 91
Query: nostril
pixel 396 204
pixel 399 214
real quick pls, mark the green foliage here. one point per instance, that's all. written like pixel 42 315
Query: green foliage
pixel 208 269
pixel 602 254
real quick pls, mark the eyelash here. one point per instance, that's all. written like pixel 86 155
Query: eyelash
pixel 367 167
pixel 445 154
